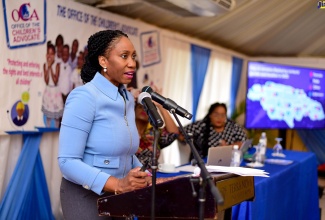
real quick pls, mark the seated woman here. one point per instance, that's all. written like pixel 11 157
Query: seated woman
pixel 214 130
pixel 146 133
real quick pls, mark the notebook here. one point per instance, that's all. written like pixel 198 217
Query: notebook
pixel 221 156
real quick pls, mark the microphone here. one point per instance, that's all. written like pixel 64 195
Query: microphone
pixel 167 103
pixel 144 99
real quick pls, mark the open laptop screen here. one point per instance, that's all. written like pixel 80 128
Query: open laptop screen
pixel 221 155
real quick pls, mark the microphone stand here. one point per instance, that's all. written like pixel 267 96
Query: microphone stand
pixel 205 175
pixel 154 167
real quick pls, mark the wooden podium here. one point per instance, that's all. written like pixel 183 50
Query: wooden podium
pixel 174 199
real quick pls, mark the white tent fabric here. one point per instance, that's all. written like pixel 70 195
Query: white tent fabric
pixel 217 81
pixel 178 87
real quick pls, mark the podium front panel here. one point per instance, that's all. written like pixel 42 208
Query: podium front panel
pixel 174 198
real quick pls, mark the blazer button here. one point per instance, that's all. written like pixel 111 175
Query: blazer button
pixel 106 162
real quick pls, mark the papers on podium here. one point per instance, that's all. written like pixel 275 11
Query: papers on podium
pixel 241 171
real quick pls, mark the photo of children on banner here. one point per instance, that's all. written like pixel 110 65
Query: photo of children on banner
pixel 61 75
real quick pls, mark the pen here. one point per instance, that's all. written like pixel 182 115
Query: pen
pixel 144 167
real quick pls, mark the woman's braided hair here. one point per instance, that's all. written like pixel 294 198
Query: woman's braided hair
pixel 99 44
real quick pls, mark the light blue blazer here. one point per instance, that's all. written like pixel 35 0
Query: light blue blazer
pixel 98 134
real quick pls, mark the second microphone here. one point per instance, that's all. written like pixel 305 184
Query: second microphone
pixel 167 103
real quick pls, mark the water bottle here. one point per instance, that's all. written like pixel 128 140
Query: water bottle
pixel 235 157
pixel 259 156
pixel 263 143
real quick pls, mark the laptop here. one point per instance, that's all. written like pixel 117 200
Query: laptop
pixel 221 156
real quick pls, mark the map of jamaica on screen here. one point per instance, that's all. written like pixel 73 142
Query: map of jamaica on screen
pixel 284 97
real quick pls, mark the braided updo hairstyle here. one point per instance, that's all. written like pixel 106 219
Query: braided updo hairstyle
pixel 99 44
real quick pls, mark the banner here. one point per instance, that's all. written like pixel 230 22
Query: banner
pixel 44 36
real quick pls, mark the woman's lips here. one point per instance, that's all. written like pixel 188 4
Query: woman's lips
pixel 129 74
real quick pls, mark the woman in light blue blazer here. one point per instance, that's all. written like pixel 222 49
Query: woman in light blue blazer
pixel 98 134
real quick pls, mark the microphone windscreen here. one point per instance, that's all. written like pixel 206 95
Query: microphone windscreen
pixel 143 95
pixel 147 89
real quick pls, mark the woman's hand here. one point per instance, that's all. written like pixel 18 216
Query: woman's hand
pixel 134 180
pixel 222 142
pixel 49 61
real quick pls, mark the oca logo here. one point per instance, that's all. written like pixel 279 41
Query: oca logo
pixel 24 13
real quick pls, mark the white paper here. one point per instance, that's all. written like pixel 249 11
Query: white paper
pixel 242 171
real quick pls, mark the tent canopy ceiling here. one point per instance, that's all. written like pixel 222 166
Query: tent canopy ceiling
pixel 252 27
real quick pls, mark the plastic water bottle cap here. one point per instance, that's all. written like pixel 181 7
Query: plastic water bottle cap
pixel 236 147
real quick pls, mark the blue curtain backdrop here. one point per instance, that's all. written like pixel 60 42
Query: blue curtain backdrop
pixel 237 65
pixel 27 194
pixel 314 140
pixel 199 63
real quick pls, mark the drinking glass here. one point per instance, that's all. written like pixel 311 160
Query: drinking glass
pixel 277 149
pixel 258 158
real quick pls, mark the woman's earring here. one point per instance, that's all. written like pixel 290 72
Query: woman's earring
pixel 105 69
